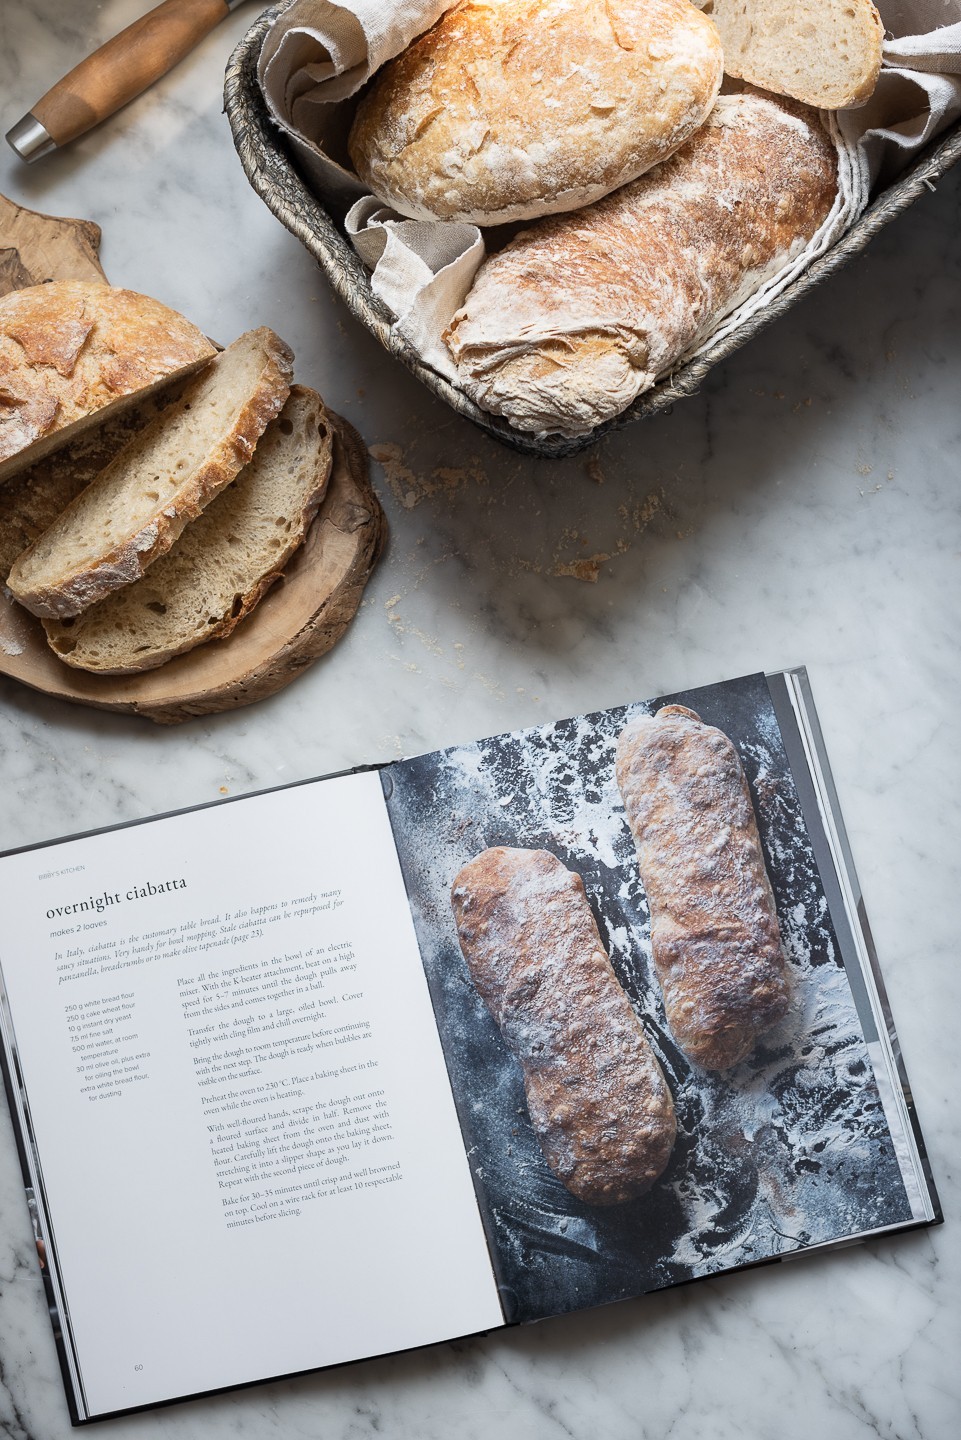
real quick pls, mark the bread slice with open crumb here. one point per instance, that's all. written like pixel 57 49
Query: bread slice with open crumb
pixel 31 500
pixel 223 563
pixel 137 507
pixel 824 52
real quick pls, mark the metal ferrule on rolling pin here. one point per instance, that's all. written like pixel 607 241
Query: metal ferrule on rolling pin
pixel 114 74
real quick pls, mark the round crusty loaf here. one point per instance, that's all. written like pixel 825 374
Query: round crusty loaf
pixel 73 350
pixel 509 109
pixel 579 314
pixel 164 477
pixel 824 52
pixel 224 562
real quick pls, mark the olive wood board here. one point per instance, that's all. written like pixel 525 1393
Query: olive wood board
pixel 35 248
pixel 299 619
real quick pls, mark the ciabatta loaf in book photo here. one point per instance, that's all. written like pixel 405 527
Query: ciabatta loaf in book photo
pixel 597 1097
pixel 509 109
pixel 580 313
pixel 223 563
pixel 162 479
pixel 73 352
pixel 715 938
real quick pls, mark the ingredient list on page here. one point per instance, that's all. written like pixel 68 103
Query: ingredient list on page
pixel 282 1049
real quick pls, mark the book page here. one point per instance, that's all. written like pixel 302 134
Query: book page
pixel 248 1145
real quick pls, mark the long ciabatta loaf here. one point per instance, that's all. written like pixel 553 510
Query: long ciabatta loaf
pixel 509 109
pixel 579 314
pixel 73 352
pixel 164 477
pixel 224 562
pixel 598 1100
pixel 715 936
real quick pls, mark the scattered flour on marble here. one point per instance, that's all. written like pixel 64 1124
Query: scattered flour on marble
pixel 569 553
pixel 410 487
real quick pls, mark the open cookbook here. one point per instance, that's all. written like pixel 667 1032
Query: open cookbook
pixel 512 1029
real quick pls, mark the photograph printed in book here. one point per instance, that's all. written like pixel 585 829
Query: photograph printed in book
pixel 681 1103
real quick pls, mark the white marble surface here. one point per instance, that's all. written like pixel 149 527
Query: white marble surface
pixel 803 508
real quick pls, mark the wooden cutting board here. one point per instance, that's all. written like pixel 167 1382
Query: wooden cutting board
pixel 299 620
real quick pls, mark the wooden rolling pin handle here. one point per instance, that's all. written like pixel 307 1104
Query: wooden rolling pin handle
pixel 125 66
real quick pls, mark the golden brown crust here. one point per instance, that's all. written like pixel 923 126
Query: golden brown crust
pixel 70 348
pixel 579 314
pixel 714 928
pixel 598 1101
pixel 508 109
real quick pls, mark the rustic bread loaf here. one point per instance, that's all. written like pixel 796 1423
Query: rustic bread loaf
pixel 598 1101
pixel 508 109
pixel 222 564
pixel 579 314
pixel 714 928
pixel 138 505
pixel 824 52
pixel 32 499
pixel 73 351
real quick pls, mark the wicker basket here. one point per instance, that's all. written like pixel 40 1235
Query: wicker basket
pixel 273 175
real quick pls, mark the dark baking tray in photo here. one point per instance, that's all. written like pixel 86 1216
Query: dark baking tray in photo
pixel 274 176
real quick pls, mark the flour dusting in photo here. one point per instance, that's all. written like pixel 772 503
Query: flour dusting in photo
pixel 788 1149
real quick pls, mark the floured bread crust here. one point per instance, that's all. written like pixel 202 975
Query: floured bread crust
pixel 579 314
pixel 598 1101
pixel 71 349
pixel 510 109
pixel 714 929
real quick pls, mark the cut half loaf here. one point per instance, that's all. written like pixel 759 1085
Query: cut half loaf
pixel 136 508
pixel 222 564
pixel 824 52
pixel 72 351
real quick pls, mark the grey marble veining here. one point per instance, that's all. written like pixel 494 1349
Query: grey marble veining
pixel 804 508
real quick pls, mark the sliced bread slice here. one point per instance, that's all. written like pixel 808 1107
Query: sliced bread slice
pixel 824 52
pixel 31 500
pixel 72 351
pixel 165 476
pixel 222 564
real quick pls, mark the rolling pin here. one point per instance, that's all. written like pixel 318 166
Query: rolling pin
pixel 116 73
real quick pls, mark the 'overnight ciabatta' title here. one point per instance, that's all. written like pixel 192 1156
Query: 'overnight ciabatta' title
pixel 99 903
